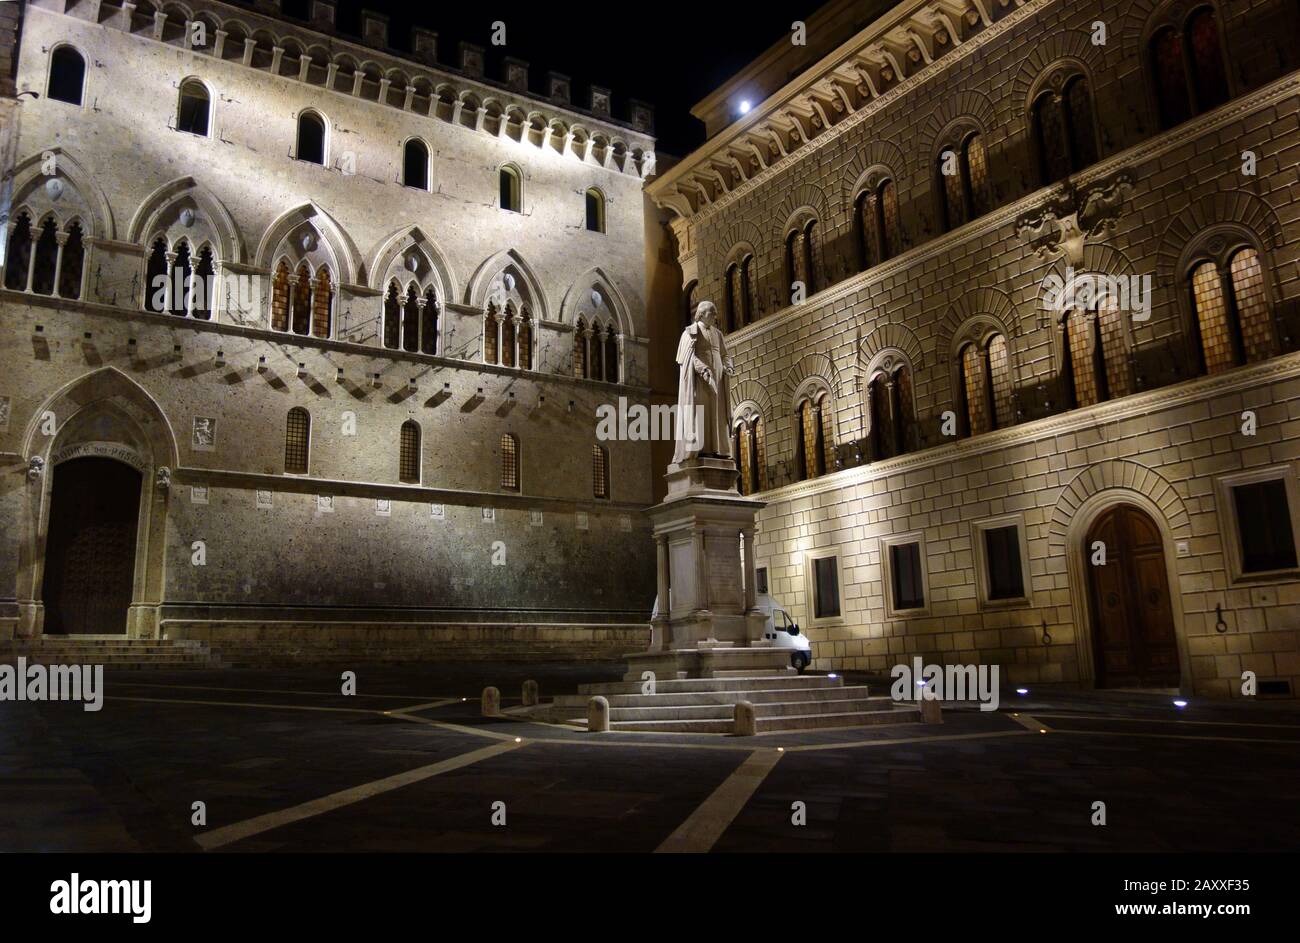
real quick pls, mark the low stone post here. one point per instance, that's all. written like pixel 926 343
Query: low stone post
pixel 931 713
pixel 491 702
pixel 598 715
pixel 530 693
pixel 745 723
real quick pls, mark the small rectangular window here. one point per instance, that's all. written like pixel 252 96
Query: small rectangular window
pixel 1264 526
pixel 1002 555
pixel 907 578
pixel 760 578
pixel 193 114
pixel 826 589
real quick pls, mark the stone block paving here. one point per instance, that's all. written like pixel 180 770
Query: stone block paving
pixel 1215 777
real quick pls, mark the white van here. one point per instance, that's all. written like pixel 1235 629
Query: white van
pixel 783 632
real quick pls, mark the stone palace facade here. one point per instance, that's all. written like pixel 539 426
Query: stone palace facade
pixel 304 333
pixel 1013 290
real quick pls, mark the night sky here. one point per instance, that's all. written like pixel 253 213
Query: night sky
pixel 670 56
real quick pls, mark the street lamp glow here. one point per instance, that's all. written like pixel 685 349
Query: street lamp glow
pixel 744 107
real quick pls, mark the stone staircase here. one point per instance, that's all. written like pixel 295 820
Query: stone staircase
pixel 782 701
pixel 114 652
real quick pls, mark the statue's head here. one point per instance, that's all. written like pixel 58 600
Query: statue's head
pixel 706 312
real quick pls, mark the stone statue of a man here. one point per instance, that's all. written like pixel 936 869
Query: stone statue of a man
pixel 703 400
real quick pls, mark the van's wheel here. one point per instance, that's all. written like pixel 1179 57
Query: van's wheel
pixel 799 661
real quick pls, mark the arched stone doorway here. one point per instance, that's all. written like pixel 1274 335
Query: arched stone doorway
pixel 105 416
pixel 90 547
pixel 1133 636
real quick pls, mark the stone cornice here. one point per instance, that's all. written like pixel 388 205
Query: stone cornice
pixel 853 49
pixel 1197 390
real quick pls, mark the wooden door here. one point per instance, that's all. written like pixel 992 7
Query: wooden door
pixel 1132 616
pixel 90 547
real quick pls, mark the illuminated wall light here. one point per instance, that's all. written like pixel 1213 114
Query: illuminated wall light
pixel 1180 704
pixel 1022 691
pixel 744 107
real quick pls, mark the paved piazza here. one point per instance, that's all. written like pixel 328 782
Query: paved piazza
pixel 285 763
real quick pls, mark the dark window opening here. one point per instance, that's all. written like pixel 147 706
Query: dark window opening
pixel 826 589
pixel 1264 526
pixel 905 570
pixel 1002 554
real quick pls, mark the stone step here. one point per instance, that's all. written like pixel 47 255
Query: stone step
pixel 578 702
pixel 866 718
pixel 755 673
pixel 675 685
pixel 764 710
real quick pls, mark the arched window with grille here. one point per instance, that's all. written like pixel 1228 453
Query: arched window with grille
pixel 71 261
pixel 430 313
pixel 611 355
pixel 876 220
pixel 747 441
pixel 415 164
pixel 735 298
pixel 889 403
pixel 297 441
pixel 599 472
pixel 815 442
pixel 47 255
pixel 203 286
pixel 964 180
pixel 1063 127
pixel 1230 305
pixel 1186 62
pixel 984 384
pixel 408 459
pixel 67 76
pixel 311 138
pixel 509 462
pixel 180 279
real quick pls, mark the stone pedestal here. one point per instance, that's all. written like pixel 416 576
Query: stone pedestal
pixel 706 596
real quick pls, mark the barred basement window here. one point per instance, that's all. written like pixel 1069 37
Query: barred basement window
pixel 599 472
pixel 1267 541
pixel 509 462
pixel 1002 558
pixel 907 582
pixel 408 460
pixel 297 441
pixel 826 588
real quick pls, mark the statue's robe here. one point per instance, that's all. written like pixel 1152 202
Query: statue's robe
pixel 700 347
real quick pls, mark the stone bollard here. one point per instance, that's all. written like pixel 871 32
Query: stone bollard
pixel 931 712
pixel 491 702
pixel 745 724
pixel 598 715
pixel 530 693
